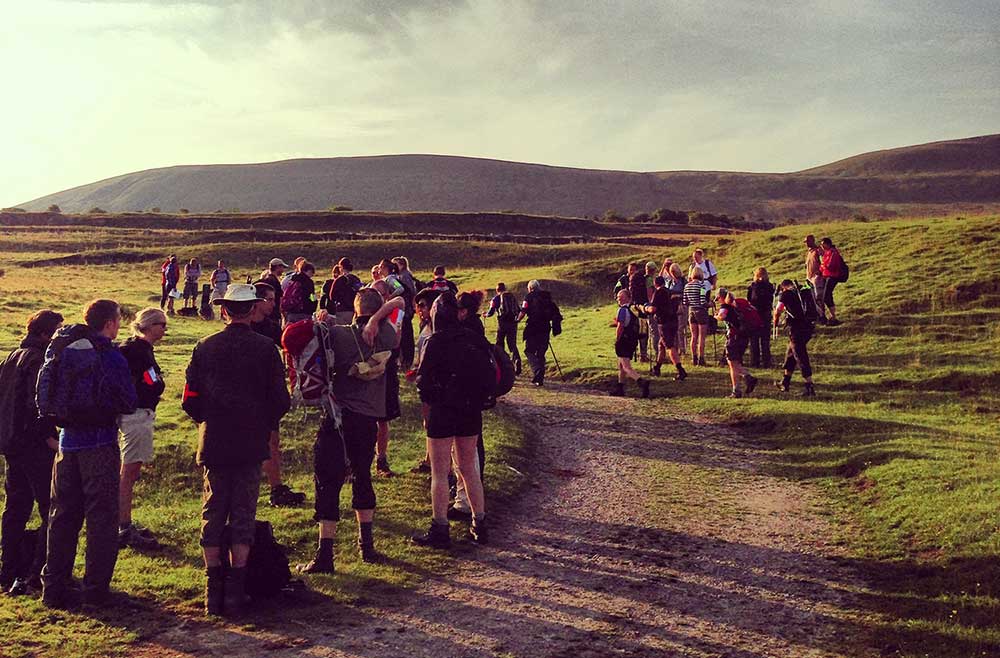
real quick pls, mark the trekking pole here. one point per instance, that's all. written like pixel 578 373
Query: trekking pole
pixel 558 367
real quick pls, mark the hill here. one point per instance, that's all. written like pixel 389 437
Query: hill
pixel 917 179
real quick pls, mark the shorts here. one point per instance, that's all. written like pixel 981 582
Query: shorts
pixel 625 349
pixel 668 335
pixel 190 289
pixel 229 498
pixel 698 316
pixel 447 422
pixel 736 347
pixel 392 409
pixel 136 438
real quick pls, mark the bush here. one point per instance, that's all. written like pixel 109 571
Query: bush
pixel 54 208
pixel 183 211
pixel 155 210
pixel 2 272
pixel 13 210
pixel 640 217
pixel 611 216
pixel 97 210
pixel 339 208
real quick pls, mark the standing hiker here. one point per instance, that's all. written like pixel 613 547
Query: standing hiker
pixel 272 277
pixel 406 344
pixel 832 269
pixel 814 274
pixel 760 293
pixel 170 275
pixel 663 311
pixel 298 299
pixel 220 281
pixel 637 292
pixel 544 318
pixel 504 305
pixel 236 393
pixel 343 292
pixel 441 283
pixel 697 301
pixel 28 444
pixel 626 340
pixel 711 275
pixel 192 272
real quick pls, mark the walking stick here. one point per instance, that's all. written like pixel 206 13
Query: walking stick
pixel 558 367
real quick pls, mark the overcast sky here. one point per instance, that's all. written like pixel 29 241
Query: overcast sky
pixel 97 89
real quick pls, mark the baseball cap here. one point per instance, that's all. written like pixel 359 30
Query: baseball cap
pixel 277 262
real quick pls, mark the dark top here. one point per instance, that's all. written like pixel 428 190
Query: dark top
pixel 358 395
pixel 637 288
pixel 272 279
pixel 538 307
pixel 236 393
pixel 442 285
pixel 145 371
pixel 325 303
pixel 342 293
pixel 442 378
pixel 761 295
pixel 666 307
pixel 21 430
pixel 305 298
pixel 794 313
pixel 474 324
pixel 268 328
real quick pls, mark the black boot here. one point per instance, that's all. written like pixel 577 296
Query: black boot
pixel 366 545
pixel 436 537
pixel 656 369
pixel 323 561
pixel 234 595
pixel 808 391
pixel 785 384
pixel 214 588
pixel 751 383
pixel 681 373
pixel 618 391
pixel 643 387
pixel 478 530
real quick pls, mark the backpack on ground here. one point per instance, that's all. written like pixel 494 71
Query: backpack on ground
pixel 508 307
pixel 309 359
pixel 267 567
pixel 70 391
pixel 751 324
pixel 206 311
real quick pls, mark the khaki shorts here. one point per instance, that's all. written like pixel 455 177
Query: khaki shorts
pixel 136 438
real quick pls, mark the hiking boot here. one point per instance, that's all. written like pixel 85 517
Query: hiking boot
pixel 20 587
pixel 283 496
pixel 643 387
pixel 479 531
pixel 369 555
pixel 214 591
pixel 834 322
pixel 643 358
pixel 735 395
pixel 455 514
pixel 423 467
pixel 618 391
pixel 436 537
pixel 136 538
pixel 234 597
pixel 655 370
pixel 318 565
pixel 751 383
pixel 382 468
pixel 681 373
pixel 808 391
pixel 785 384
pixel 701 360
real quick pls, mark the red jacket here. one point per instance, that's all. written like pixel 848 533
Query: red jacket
pixel 832 264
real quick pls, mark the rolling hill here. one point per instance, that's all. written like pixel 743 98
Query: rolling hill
pixel 929 177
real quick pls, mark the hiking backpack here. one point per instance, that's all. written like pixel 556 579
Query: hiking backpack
pixel 845 272
pixel 505 376
pixel 807 300
pixel 293 299
pixel 630 333
pixel 267 567
pixel 70 392
pixel 508 307
pixel 309 359
pixel 751 324
pixel 440 285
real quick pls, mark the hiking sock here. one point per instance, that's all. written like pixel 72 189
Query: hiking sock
pixel 365 533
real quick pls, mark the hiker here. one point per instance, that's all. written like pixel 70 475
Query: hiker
pixel 504 305
pixel 832 269
pixel 814 262
pixel 169 275
pixel 136 440
pixel 622 283
pixel 29 445
pixel 440 283
pixel 422 303
pixel 298 297
pixel 393 409
pixel 359 386
pixel 325 302
pixel 192 272
pixel 220 281
pixel 697 301
pixel 663 310
pixel 799 313
pixel 653 329
pixel 343 291
pixel 85 384
pixel 543 318
pixel 454 381
pixel 738 330
pixel 711 275
pixel 675 283
pixel 468 317
pixel 272 277
pixel 407 344
pixel 286 280
pixel 262 323
pixel 760 293
pixel 626 341
pixel 235 390
pixel 637 292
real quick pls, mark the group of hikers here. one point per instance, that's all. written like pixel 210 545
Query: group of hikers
pixel 77 410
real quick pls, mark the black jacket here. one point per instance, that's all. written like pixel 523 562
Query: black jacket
pixel 145 371
pixel 272 279
pixel 21 430
pixel 761 295
pixel 236 393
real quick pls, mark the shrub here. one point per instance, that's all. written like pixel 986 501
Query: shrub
pixel 339 208
pixel 640 217
pixel 97 210
pixel 155 209
pixel 611 216
pixel 183 211
pixel 54 208
pixel 13 210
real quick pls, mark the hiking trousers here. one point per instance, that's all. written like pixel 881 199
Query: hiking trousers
pixel 333 452
pixel 84 487
pixel 534 350
pixel 760 349
pixel 406 342
pixel 507 334
pixel 28 479
pixel 797 354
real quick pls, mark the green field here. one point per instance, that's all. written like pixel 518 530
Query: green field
pixel 902 438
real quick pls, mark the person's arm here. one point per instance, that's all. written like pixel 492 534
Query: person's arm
pixel 371 329
pixel 278 398
pixel 778 310
pixel 524 310
pixel 494 304
pixel 118 388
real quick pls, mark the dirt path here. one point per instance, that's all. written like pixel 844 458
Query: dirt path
pixel 639 536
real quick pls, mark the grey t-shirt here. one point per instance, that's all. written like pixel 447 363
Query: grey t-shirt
pixel 362 397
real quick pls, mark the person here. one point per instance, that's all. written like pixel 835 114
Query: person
pixel 262 323
pixel 832 268
pixel 325 303
pixel 543 318
pixel 298 297
pixel 626 340
pixel 89 385
pixel 393 409
pixel 235 391
pixel 28 444
pixel 360 392
pixel 407 343
pixel 653 328
pixel 286 280
pixel 737 339
pixel 136 429
pixel 675 283
pixel 814 261
pixel 663 310
pixel 441 283
pixel 450 392
pixel 622 283
pixel 170 275
pixel 343 291
pixel 792 308
pixel 192 272
pixel 220 280
pixel 760 294
pixel 468 317
pixel 711 275
pixel 504 306
pixel 272 277
pixel 696 299
pixel 637 291
pixel 422 303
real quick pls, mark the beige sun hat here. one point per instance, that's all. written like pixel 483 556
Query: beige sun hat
pixel 238 292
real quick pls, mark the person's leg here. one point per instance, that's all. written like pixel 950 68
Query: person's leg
pixel 694 343
pixel 406 342
pixel 242 528
pixel 359 438
pixel 216 491
pixel 16 512
pixel 100 469
pixel 831 307
pixel 329 469
pixel 126 486
pixel 765 348
pixel 626 369
pixel 682 321
pixel 702 335
pixel 755 351
pixel 40 477
pixel 819 294
pixel 163 295
pixel 467 456
pixel 439 451
pixel 734 377
pixel 272 466
pixel 65 520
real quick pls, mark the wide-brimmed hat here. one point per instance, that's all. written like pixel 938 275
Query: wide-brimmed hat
pixel 238 292
pixel 277 262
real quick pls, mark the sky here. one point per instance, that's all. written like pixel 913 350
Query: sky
pixel 98 89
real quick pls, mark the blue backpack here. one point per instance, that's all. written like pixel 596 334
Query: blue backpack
pixel 69 388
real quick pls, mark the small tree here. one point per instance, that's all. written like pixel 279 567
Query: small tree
pixel 611 216
pixel 339 208
pixel 54 208
pixel 640 217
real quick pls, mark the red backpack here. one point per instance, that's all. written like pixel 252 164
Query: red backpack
pixel 309 358
pixel 751 323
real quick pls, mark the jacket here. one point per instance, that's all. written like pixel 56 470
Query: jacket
pixel 235 390
pixel 21 430
pixel 832 264
pixel 761 295
pixel 146 373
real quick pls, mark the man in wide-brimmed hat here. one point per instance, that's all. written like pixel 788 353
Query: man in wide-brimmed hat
pixel 236 393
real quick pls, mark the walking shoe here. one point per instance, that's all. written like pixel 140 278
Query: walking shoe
pixel 369 555
pixel 135 538
pixel 436 537
pixel 283 496
pixel 382 467
pixel 423 467
pixel 655 370
pixel 317 565
pixel 644 387
pixel 681 373
pixel 20 587
pixel 701 360
pixel 618 391
pixel 234 596
pixel 751 383
pixel 808 391
pixel 834 322
pixel 735 395
pixel 479 531
pixel 785 384
pixel 455 514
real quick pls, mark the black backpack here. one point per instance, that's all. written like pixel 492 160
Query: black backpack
pixel 267 565
pixel 473 382
pixel 845 272
pixel 508 307
pixel 630 334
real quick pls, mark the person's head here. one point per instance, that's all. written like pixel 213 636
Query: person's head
pixel 439 272
pixel 676 271
pixel 533 285
pixel 44 324
pixel 366 302
pixel 239 304
pixel 336 272
pixel 624 297
pixel 264 291
pixel 444 311
pixel 667 262
pixel 376 272
pixel 423 301
pixel 650 268
pixel 633 268
pixel 383 288
pixel 103 316
pixel 237 312
pixel 810 241
pixel 724 296
pixel 501 288
pixel 173 258
pixel 298 263
pixel 345 264
pixel 469 303
pixel 760 274
pixel 150 324
pixel 698 255
pixel 787 284
pixel 220 265
pixel 827 243
pixel 277 266
pixel 193 262
pixel 696 273
pixel 308 269
pixel 387 267
pixel 402 263
pixel 659 282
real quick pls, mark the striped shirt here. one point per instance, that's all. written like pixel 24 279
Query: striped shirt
pixel 695 295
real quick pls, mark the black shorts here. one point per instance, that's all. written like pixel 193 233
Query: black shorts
pixel 668 335
pixel 446 422
pixel 625 348
pixel 736 347
pixel 392 408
